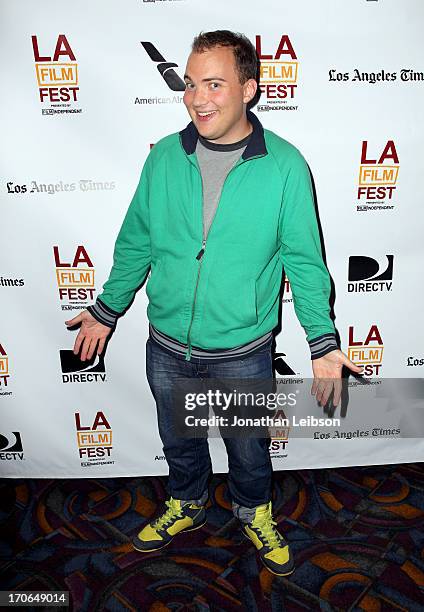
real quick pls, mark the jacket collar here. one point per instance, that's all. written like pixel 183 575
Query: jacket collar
pixel 256 146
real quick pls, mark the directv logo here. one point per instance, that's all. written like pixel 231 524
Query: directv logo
pixel 367 274
pixel 77 371
pixel 11 446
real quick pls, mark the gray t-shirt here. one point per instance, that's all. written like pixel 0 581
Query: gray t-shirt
pixel 215 161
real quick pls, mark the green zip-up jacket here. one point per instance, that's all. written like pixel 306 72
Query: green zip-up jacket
pixel 222 292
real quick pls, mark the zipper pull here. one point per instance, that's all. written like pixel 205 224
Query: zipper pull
pixel 188 353
pixel 202 250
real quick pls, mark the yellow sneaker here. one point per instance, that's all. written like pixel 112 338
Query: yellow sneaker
pixel 175 519
pixel 273 549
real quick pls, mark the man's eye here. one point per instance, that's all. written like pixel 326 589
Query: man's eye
pixel 214 85
pixel 189 85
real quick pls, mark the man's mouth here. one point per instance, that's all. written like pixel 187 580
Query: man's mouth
pixel 205 115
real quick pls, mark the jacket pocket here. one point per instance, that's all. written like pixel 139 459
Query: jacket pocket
pixel 167 291
pixel 153 284
pixel 230 304
pixel 267 288
pixel 246 303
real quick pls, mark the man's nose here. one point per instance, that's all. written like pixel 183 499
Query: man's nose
pixel 200 97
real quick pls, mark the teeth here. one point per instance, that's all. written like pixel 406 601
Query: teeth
pixel 206 114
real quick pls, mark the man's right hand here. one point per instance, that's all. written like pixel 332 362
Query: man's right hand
pixel 91 334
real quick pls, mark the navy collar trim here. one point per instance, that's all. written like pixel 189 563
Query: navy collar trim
pixel 233 146
pixel 256 145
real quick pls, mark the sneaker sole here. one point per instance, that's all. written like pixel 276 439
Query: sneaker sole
pixel 274 572
pixel 265 565
pixel 147 550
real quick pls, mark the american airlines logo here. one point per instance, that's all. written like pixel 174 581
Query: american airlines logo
pixel 281 366
pixel 166 69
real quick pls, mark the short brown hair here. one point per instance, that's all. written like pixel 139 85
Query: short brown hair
pixel 245 55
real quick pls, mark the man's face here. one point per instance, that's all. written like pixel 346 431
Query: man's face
pixel 214 97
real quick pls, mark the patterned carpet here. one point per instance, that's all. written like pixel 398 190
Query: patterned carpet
pixel 357 534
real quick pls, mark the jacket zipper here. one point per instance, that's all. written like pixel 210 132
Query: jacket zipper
pixel 200 254
pixel 199 257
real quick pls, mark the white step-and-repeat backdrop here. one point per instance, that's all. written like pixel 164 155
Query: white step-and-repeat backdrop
pixel 85 98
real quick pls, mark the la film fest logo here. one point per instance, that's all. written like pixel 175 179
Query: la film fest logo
pixel 76 371
pixel 4 372
pixel 57 77
pixel 94 441
pixel 170 79
pixel 75 279
pixel 366 351
pixel 369 275
pixel 378 175
pixel 11 447
pixel 279 68
pixel 279 437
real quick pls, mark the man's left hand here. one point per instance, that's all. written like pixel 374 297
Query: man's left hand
pixel 327 375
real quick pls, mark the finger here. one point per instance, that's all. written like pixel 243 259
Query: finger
pixel 314 386
pixel 323 394
pixel 320 389
pixel 74 321
pixel 352 366
pixel 91 349
pixel 85 348
pixel 327 392
pixel 326 389
pixel 338 385
pixel 78 342
pixel 101 346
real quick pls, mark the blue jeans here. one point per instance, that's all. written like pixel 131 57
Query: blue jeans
pixel 249 462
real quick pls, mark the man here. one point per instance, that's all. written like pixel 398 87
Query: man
pixel 220 208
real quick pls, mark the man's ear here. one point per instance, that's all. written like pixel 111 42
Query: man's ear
pixel 249 90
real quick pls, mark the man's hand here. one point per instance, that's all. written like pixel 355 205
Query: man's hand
pixel 327 376
pixel 91 334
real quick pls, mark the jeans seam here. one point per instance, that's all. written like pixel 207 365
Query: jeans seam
pixel 198 470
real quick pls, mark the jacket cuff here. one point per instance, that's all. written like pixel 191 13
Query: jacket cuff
pixel 103 313
pixel 322 345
